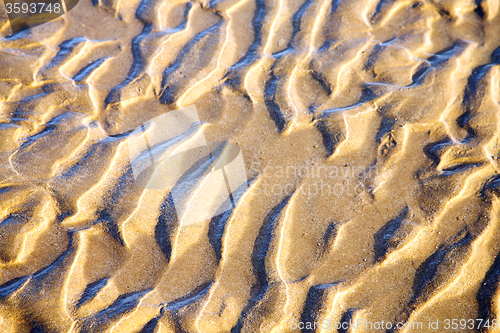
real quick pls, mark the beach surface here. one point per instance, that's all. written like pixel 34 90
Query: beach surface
pixel 367 132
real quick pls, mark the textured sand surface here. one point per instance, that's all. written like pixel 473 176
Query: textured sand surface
pixel 370 137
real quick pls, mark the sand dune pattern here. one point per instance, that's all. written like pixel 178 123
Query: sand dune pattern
pixel 370 136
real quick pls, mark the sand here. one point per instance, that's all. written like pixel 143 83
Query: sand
pixel 369 136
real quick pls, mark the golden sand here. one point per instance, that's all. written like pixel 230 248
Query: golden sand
pixel 370 136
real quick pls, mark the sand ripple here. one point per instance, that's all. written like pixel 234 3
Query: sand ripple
pixel 370 135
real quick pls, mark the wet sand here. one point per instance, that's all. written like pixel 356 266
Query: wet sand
pixel 369 132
